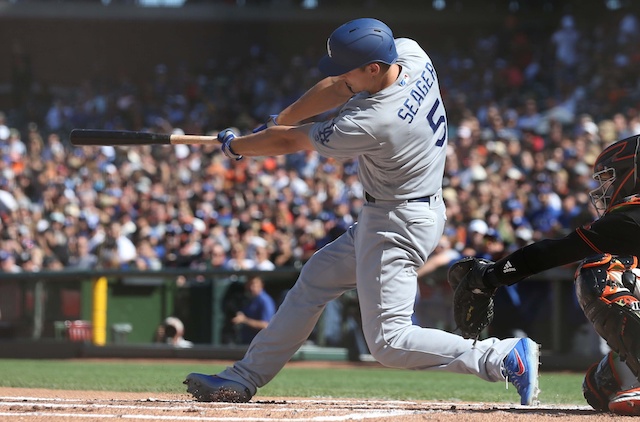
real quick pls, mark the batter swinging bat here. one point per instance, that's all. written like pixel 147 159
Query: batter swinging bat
pixel 126 138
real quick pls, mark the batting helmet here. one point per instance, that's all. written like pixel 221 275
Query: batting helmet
pixel 616 171
pixel 357 43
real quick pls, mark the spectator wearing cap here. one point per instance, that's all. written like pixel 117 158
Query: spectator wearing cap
pixel 190 245
pixel 476 230
pixel 523 237
pixel 515 213
pixel 173 241
pixel 493 247
pixel 544 218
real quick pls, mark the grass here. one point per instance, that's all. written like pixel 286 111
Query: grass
pixel 365 382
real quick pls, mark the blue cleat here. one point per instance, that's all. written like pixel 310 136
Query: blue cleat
pixel 521 369
pixel 213 388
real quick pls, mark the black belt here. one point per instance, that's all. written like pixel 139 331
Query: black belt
pixel 372 200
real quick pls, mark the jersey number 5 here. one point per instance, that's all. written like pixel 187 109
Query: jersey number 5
pixel 435 124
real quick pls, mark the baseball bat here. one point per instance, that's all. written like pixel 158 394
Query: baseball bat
pixel 99 137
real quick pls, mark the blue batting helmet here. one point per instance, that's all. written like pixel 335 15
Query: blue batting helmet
pixel 357 43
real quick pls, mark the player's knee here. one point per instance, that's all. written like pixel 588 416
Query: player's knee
pixel 387 356
pixel 391 353
pixel 605 280
pixel 600 384
pixel 381 350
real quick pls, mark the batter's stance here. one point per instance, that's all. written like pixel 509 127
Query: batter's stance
pixel 393 120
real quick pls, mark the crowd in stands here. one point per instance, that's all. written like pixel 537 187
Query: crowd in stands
pixel 528 112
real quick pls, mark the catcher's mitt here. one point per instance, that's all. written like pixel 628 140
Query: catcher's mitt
pixel 472 299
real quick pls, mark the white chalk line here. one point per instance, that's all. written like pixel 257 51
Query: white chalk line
pixel 365 404
pixel 366 409
pixel 355 416
pixel 83 410
pixel 258 403
pixel 281 407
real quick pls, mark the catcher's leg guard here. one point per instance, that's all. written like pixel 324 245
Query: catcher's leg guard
pixel 610 305
pixel 601 383
pixel 626 402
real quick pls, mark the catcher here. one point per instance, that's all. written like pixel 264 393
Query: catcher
pixel 605 281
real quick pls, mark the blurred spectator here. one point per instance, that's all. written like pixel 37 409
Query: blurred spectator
pixel 566 40
pixel 171 332
pixel 476 232
pixel 120 249
pixel 531 118
pixel 218 257
pixel 239 260
pixel 146 257
pixel 8 263
pixel 82 258
pixel 263 263
pixel 283 254
pixel 4 129
pixel 257 312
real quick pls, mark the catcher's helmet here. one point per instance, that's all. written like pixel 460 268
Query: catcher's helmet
pixel 357 43
pixel 616 171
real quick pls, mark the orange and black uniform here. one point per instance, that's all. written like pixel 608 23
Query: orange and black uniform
pixel 616 232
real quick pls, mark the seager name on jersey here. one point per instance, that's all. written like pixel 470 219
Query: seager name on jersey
pixel 418 93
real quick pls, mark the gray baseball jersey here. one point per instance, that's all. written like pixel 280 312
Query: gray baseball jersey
pixel 399 136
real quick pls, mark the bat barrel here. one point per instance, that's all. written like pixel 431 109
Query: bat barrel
pixel 117 137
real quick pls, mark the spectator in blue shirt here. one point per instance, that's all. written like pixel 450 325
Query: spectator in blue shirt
pixel 257 312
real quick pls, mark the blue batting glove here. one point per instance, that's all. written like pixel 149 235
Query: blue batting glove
pixel 269 123
pixel 225 137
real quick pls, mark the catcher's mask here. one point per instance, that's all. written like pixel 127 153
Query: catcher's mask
pixel 616 171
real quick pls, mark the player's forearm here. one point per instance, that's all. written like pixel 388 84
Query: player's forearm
pixel 276 140
pixel 538 257
pixel 327 94
pixel 256 324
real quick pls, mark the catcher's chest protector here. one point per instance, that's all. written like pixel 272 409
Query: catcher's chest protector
pixel 607 290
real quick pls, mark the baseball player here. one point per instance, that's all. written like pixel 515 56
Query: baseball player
pixel 392 118
pixel 606 279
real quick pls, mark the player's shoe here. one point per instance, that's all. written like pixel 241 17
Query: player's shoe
pixel 626 402
pixel 213 388
pixel 521 369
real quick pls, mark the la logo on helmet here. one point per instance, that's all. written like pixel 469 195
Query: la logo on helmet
pixel 329 47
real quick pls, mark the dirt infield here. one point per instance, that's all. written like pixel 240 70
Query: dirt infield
pixel 35 405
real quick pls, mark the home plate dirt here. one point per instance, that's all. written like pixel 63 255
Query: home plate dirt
pixel 21 404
